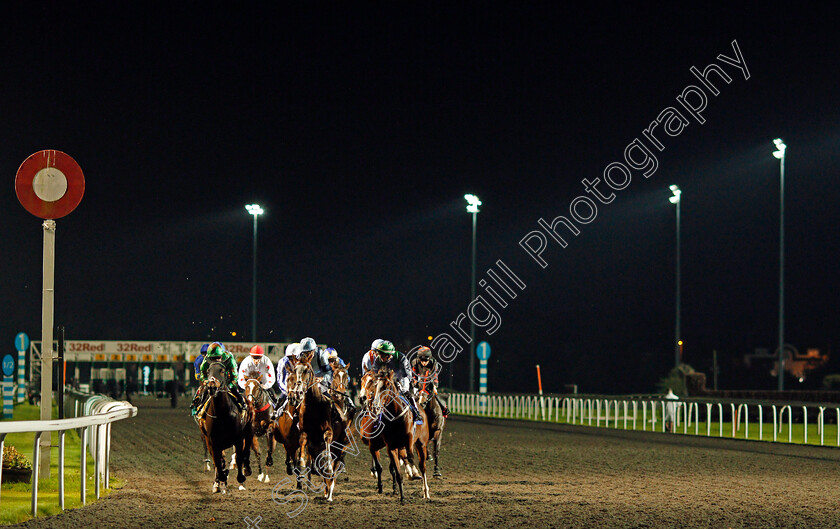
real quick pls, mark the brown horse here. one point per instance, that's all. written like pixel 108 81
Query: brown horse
pixel 342 418
pixel 285 430
pixel 315 424
pixel 402 437
pixel 428 401
pixel 260 406
pixel 223 426
pixel 370 428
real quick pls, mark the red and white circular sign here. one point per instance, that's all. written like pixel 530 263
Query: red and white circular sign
pixel 49 184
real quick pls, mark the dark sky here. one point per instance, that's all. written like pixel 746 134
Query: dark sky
pixel 360 128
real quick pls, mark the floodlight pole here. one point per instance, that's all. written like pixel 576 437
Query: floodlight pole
pixel 472 298
pixel 472 207
pixel 677 200
pixel 255 210
pixel 254 287
pixel 780 154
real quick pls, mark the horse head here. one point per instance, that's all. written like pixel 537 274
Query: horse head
pixel 253 390
pixel 383 388
pixel 340 381
pixel 216 377
pixel 299 381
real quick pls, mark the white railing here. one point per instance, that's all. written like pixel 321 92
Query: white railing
pixel 625 412
pixel 98 414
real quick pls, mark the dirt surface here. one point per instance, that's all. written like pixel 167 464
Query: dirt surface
pixel 496 474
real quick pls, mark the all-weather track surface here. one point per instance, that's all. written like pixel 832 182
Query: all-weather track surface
pixel 496 474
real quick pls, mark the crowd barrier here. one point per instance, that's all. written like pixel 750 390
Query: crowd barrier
pixel 649 413
pixel 92 416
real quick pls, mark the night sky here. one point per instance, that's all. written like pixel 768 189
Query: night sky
pixel 360 128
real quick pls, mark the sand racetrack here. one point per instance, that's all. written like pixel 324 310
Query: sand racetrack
pixel 496 474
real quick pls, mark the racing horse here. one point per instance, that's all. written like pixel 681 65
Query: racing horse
pixel 260 407
pixel 342 419
pixel 401 436
pixel 316 434
pixel 428 401
pixel 285 430
pixel 223 426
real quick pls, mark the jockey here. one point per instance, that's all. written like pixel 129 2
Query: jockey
pixel 332 356
pixel 216 352
pixel 370 356
pixel 335 362
pixel 425 361
pixel 258 363
pixel 284 367
pixel 196 370
pixel 317 358
pixel 387 355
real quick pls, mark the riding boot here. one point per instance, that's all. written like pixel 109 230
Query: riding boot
pixel 240 400
pixel 351 408
pixel 278 408
pixel 443 407
pixel 412 404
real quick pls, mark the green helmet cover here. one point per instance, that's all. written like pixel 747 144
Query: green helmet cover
pixel 386 347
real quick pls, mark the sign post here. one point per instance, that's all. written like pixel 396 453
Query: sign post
pixel 8 386
pixel 483 354
pixel 21 345
pixel 49 184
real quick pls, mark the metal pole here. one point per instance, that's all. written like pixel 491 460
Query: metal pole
pixel 472 298
pixel 254 289
pixel 47 305
pixel 677 351
pixel 61 365
pixel 782 278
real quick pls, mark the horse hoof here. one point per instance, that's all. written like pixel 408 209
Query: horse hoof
pixel 247 471
pixel 215 487
pixel 265 479
pixel 438 475
pixel 241 487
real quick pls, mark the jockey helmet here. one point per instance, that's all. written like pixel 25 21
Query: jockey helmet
pixel 308 344
pixel 204 348
pixel 376 343
pixel 332 354
pixel 257 351
pixel 424 353
pixel 215 349
pixel 293 350
pixel 385 347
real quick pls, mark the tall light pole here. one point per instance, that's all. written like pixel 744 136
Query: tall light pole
pixel 472 207
pixel 254 209
pixel 779 153
pixel 678 338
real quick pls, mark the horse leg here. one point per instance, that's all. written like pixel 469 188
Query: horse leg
pixel 246 454
pixel 376 469
pixel 255 447
pixel 301 461
pixel 393 454
pixel 271 442
pixel 436 450
pixel 221 471
pixel 206 456
pixel 239 451
pixel 422 452
pixel 329 478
